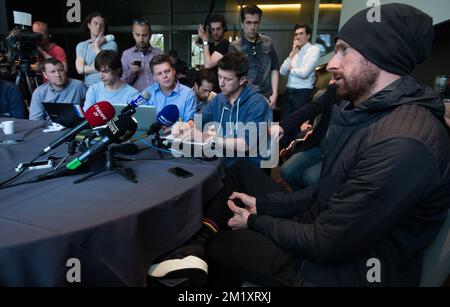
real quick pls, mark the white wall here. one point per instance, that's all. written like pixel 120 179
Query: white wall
pixel 438 9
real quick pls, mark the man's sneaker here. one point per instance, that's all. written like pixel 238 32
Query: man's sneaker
pixel 184 267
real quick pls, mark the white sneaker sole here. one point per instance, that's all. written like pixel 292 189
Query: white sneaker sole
pixel 165 267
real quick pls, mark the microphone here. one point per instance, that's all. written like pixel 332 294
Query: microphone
pixel 166 117
pixel 119 130
pixel 136 102
pixel 97 115
pixel 60 172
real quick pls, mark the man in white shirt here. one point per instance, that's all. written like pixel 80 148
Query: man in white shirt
pixel 300 68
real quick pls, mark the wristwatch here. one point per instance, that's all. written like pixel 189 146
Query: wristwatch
pixel 205 43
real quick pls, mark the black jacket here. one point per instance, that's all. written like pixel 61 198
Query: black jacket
pixel 11 101
pixel 384 192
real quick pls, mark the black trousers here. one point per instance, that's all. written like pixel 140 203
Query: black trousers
pixel 294 99
pixel 245 255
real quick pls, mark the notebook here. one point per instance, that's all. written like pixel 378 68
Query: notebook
pixel 145 116
pixel 66 114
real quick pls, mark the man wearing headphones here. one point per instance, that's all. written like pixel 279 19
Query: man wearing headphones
pixel 216 50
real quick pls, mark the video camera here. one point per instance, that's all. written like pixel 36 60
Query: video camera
pixel 22 42
pixel 17 52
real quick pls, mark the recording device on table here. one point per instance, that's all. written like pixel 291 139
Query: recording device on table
pixel 117 131
pixel 97 115
pixel 35 165
pixel 166 117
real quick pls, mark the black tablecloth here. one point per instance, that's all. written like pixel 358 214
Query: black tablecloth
pixel 113 227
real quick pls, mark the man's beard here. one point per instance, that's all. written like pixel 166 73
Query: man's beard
pixel 359 86
pixel 145 47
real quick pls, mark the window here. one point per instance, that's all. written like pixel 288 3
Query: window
pixel 328 26
pixel 157 40
pixel 197 57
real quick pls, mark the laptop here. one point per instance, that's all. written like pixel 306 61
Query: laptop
pixel 66 114
pixel 145 117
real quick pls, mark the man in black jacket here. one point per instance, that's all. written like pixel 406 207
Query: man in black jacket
pixel 384 189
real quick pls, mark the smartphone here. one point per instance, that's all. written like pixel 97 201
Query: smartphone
pixel 180 172
pixel 138 63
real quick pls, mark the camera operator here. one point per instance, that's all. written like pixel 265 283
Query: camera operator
pixel 46 48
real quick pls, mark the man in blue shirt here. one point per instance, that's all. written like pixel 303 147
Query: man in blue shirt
pixel 11 101
pixel 111 88
pixel 167 90
pixel 59 89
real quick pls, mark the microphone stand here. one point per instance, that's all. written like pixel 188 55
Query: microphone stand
pixel 158 143
pixel 110 165
pixel 72 147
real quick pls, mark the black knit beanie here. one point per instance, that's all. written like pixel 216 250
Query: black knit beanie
pixel 398 43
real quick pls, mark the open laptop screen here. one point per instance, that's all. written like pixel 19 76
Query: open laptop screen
pixel 66 114
pixel 145 116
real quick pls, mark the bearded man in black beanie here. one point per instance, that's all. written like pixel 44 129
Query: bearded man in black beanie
pixel 384 189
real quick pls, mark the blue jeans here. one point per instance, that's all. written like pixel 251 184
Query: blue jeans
pixel 303 168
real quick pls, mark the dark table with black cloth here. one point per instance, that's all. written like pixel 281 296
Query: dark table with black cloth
pixel 114 227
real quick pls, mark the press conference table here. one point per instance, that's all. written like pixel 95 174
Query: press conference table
pixel 113 227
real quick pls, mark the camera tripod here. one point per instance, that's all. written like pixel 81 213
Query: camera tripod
pixel 26 80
